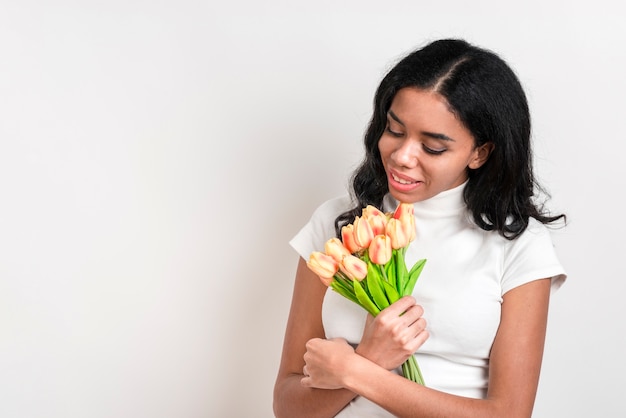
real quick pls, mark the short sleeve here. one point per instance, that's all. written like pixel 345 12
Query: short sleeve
pixel 532 256
pixel 320 227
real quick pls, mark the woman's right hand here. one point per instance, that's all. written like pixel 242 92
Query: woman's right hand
pixel 394 334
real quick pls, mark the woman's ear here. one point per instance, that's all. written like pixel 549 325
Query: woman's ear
pixel 481 154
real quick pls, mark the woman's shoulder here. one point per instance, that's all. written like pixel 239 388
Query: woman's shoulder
pixel 321 225
pixel 535 231
pixel 333 207
pixel 532 255
pixel 534 243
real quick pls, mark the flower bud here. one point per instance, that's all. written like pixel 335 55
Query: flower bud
pixel 347 237
pixel 323 265
pixel 404 209
pixel 354 267
pixel 405 214
pixel 363 233
pixel 397 234
pixel 380 249
pixel 336 249
pixel 376 218
pixel 409 228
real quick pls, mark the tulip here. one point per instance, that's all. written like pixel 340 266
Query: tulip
pixel 397 234
pixel 347 236
pixel 404 209
pixel 323 265
pixel 410 228
pixel 363 233
pixel 376 218
pixel 353 267
pixel 405 213
pixel 380 249
pixel 335 248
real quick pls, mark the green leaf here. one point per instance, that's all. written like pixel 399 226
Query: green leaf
pixel 414 274
pixel 374 285
pixel 373 271
pixel 392 293
pixel 390 271
pixel 344 290
pixel 364 299
pixel 401 271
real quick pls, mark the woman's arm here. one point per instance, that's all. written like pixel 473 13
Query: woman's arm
pixel 515 363
pixel 291 399
pixel 388 340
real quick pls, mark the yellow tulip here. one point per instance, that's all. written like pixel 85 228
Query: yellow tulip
pixel 397 234
pixel 347 237
pixel 376 218
pixel 335 248
pixel 323 265
pixel 363 233
pixel 353 267
pixel 404 209
pixel 380 249
pixel 409 227
pixel 405 214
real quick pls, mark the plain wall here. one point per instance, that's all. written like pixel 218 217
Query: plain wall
pixel 157 156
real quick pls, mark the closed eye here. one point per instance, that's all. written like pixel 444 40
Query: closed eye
pixel 393 133
pixel 434 151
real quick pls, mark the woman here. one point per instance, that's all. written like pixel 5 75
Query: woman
pixel 450 133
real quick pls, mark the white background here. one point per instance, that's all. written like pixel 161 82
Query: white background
pixel 157 156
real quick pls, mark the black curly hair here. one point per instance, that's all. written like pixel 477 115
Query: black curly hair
pixel 487 97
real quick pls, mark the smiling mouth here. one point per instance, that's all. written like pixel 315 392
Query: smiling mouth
pixel 402 181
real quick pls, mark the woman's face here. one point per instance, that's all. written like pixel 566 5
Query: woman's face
pixel 425 149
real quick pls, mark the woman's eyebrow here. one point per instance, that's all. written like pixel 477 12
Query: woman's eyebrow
pixel 438 136
pixel 429 134
pixel 395 117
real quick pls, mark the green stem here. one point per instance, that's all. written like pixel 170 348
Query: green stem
pixel 411 370
pixel 383 272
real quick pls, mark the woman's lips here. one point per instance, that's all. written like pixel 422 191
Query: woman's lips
pixel 403 180
pixel 403 183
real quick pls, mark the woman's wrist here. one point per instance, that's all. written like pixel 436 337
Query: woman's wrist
pixel 356 372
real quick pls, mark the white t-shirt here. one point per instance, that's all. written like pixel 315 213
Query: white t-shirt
pixel 467 272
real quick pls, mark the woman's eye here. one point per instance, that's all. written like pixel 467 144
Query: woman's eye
pixel 434 151
pixel 394 133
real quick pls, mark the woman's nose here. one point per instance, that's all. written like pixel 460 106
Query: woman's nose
pixel 407 154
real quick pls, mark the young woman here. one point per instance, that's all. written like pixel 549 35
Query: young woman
pixel 450 133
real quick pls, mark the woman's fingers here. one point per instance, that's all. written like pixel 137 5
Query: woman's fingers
pixel 405 309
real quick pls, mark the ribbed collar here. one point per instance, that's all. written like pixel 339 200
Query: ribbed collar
pixel 446 203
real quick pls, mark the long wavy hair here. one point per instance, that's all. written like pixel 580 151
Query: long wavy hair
pixel 487 97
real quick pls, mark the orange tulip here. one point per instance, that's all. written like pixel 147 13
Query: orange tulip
pixel 380 249
pixel 397 234
pixel 336 249
pixel 363 233
pixel 323 265
pixel 347 237
pixel 353 267
pixel 376 218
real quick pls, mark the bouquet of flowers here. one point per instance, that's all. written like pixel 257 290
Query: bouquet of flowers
pixel 367 264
